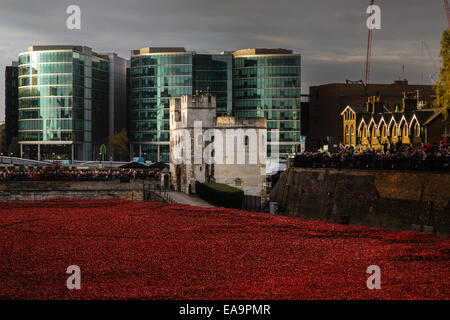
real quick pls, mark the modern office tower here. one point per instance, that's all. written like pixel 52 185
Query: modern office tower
pixel 65 101
pixel 266 83
pixel 246 83
pixel 11 103
pixel 158 74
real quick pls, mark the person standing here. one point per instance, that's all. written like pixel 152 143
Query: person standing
pixel 385 147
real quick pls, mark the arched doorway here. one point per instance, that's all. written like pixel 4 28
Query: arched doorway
pixel 178 179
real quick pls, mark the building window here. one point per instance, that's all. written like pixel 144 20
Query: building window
pixel 237 182
pixel 246 140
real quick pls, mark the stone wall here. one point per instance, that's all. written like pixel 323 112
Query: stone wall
pixel 42 190
pixel 396 200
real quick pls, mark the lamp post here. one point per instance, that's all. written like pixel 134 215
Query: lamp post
pixel 1 154
pixel 53 157
pixel 10 156
pixel 100 155
pixel 110 161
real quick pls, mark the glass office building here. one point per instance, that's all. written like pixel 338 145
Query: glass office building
pixel 266 83
pixel 213 73
pixel 246 83
pixel 158 74
pixel 63 102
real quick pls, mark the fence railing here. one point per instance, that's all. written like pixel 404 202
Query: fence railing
pixel 163 193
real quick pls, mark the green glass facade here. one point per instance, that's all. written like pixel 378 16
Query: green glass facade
pixel 63 102
pixel 155 78
pixel 213 73
pixel 246 83
pixel 268 85
pixel 160 75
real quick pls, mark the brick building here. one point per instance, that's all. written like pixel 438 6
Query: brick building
pixel 329 100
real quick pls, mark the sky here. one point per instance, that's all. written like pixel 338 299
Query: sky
pixel 330 35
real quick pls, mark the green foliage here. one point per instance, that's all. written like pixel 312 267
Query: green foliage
pixel 221 195
pixel 222 187
pixel 118 144
pixel 442 88
pixel 103 149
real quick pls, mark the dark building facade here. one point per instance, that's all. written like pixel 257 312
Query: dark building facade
pixel 329 100
pixel 304 115
pixel 117 93
pixel 11 104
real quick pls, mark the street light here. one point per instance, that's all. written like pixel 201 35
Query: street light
pixel 53 157
pixel 10 156
pixel 100 154
pixel 1 154
pixel 110 159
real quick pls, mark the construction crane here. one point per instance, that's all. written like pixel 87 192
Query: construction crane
pixel 447 11
pixel 368 54
pixel 433 61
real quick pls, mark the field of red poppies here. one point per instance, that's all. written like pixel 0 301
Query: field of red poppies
pixel 149 250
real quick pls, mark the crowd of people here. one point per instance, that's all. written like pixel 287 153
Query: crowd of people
pixel 60 173
pixel 397 157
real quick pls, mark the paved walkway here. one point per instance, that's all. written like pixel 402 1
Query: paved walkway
pixel 180 197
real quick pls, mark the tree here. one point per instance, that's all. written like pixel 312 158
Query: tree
pixel 118 144
pixel 442 88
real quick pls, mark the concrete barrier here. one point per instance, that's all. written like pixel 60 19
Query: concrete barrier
pixel 43 190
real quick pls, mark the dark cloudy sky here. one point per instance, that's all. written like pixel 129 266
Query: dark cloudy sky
pixel 331 35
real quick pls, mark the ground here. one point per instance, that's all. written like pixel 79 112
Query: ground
pixel 181 197
pixel 149 250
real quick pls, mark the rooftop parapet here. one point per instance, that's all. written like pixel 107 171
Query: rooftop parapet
pixel 261 51
pixel 254 122
pixel 150 50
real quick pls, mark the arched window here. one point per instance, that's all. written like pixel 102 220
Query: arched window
pixel 404 129
pixel 416 129
pixel 394 131
pixel 373 131
pixel 352 134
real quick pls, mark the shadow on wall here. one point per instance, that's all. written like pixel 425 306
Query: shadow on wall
pixel 416 201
